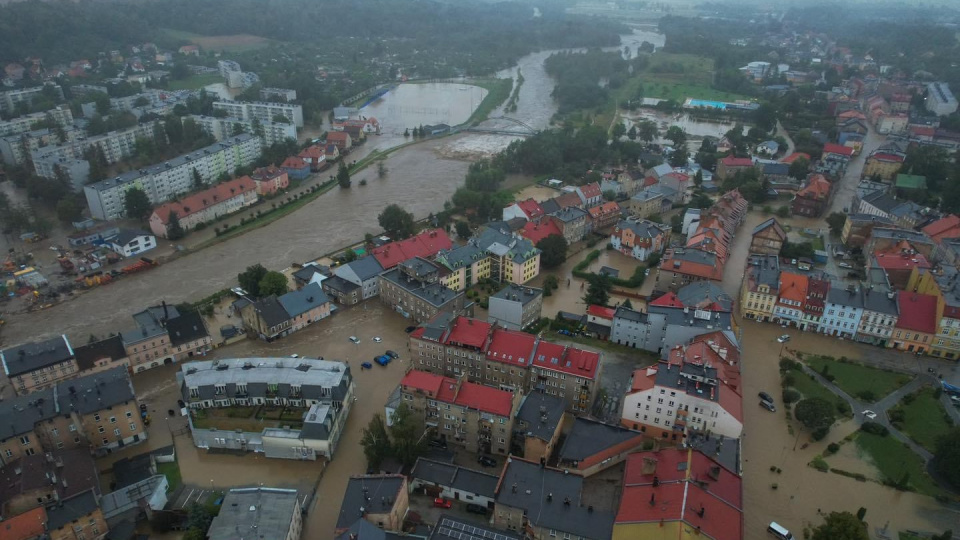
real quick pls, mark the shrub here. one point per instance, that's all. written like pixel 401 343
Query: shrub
pixel 833 448
pixel 790 395
pixel 200 226
pixel 787 364
pixel 875 429
pixel 855 476
pixel 789 379
pixel 896 415
pixel 819 433
pixel 867 396
pixel 843 408
pixel 819 464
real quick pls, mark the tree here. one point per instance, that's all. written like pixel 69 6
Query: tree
pixel 250 278
pixel 343 175
pixel 375 442
pixel 550 283
pixel 397 222
pixel 554 250
pixel 273 283
pixel 409 440
pixel 136 204
pixel 841 526
pixel 381 169
pixel 836 220
pixel 677 135
pixel 609 195
pixel 679 157
pixel 647 130
pixel 946 456
pixel 627 304
pixel 815 413
pixel 174 229
pixel 69 210
pixel 463 230
pixel 619 130
pixel 799 168
pixel 632 134
pixel 783 211
pixel 197 179
pixel 598 291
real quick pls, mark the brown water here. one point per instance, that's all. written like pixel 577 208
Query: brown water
pixel 411 105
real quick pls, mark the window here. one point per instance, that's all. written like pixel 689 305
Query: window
pixel 25 440
pixel 96 417
pixel 100 429
pixel 113 419
pixel 133 427
pixel 129 414
pixel 116 431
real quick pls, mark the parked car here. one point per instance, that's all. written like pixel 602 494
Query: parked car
pixel 784 338
pixel 366 365
pixel 440 502
pixel 438 443
pixel 377 339
pixel 477 509
pixel 870 414
pixel 392 354
pixel 768 406
pixel 766 397
pixel 410 329
pixel 382 360
pixel 486 461
pixel 844 265
pixel 354 340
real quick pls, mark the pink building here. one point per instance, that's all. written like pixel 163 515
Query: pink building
pixel 270 180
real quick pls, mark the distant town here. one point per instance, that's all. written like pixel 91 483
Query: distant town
pixel 661 271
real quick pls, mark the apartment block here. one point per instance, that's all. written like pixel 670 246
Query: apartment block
pixel 477 417
pixel 262 110
pixel 61 114
pixel 284 94
pixel 164 181
pixel 205 206
pixel 224 128
pixel 11 98
pixel 39 365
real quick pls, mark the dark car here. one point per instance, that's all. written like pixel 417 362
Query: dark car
pixel 181 404
pixel 486 461
pixel 366 365
pixel 410 329
pixel 393 355
pixel 768 406
pixel 143 406
pixel 477 509
pixel 437 443
pixel 766 397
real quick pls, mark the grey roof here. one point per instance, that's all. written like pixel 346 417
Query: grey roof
pixel 768 223
pixel 842 296
pixel 257 373
pixel 691 379
pixel 307 272
pixel 647 195
pixel 667 191
pixel 111 347
pixel 368 494
pixel 317 422
pixel 901 234
pixel 419 267
pixel 642 228
pixel 68 510
pixel 700 293
pixel 880 300
pixel 518 293
pixel 339 284
pixel 19 414
pixel 697 256
pixel 271 310
pixel 456 477
pixel 550 206
pixel 629 314
pixel 186 328
pixel 883 201
pixel 570 213
pixel 95 392
pixel 433 293
pixel 32 356
pixel 299 302
pixel 132 176
pixel 366 268
pixel 765 270
pixel 723 450
pixel 519 249
pixel 363 530
pixel 130 470
pixel 589 437
pixel 692 318
pixel 464 255
pixel 662 169
pixel 527 485
pixel 541 413
pixel 454 528
pixel 125 236
pixel 869 218
pixel 150 323
pixel 263 513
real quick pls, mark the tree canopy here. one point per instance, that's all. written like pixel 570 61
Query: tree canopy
pixel 947 456
pixel 554 250
pixel 815 413
pixel 397 222
pixel 841 526
pixel 273 283
pixel 250 278
pixel 136 204
pixel 598 290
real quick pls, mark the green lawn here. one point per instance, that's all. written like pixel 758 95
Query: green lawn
pixel 810 388
pixel 172 472
pixel 195 82
pixel 680 76
pixel 893 460
pixel 924 418
pixel 865 383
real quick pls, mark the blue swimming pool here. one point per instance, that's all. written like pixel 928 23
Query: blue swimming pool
pixel 706 103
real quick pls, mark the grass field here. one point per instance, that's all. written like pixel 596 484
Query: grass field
pixel 810 388
pixel 893 460
pixel 172 472
pixel 924 419
pixel 231 43
pixel 862 382
pixel 195 82
pixel 680 76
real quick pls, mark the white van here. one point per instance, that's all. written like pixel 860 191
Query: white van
pixel 779 531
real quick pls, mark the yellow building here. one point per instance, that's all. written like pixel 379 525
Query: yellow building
pixel 882 165
pixel 760 287
pixel 946 342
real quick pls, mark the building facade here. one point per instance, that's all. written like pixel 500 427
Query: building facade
pixel 264 111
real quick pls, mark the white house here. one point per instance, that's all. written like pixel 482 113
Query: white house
pixel 842 312
pixel 132 242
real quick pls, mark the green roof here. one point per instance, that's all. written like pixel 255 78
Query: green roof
pixel 911 181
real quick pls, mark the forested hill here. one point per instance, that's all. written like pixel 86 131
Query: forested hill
pixel 64 30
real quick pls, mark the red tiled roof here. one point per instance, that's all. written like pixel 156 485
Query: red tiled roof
pixel 644 379
pixel 536 232
pixel 531 208
pixel 29 524
pixel 679 176
pixel 918 312
pixel 421 380
pixel 650 181
pixel 604 209
pixel 601 311
pixel 818 188
pixel 795 156
pixel 337 136
pixel 294 162
pixel 312 152
pixel 693 269
pixel 566 359
pixel 731 161
pixel 511 347
pixel 426 245
pixel 948 227
pixel 469 332
pixel 831 148
pixel 568 199
pixel 923 130
pixel 485 398
pixel 668 300
pixel 591 190
pixel 793 287
pixel 208 197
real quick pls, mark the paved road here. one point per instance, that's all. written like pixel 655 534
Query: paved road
pixel 846 189
pixel 783 133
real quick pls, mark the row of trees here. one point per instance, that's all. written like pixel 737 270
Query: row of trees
pixel 405 439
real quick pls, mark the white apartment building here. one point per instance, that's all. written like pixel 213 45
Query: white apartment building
pixel 115 145
pixel 223 128
pixel 76 170
pixel 163 181
pixel 285 94
pixel 261 110
pixel 16 149
pixel 11 98
pixel 231 73
pixel 60 114
pixel 940 100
